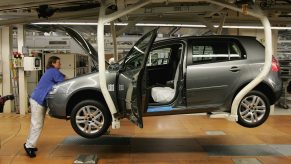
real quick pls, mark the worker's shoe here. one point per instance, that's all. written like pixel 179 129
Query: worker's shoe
pixel 30 151
pixel 35 148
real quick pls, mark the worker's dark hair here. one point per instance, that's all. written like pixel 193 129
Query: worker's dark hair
pixel 51 60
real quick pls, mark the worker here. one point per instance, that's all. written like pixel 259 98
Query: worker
pixel 38 105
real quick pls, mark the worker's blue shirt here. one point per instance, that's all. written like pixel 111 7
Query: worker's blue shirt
pixel 51 77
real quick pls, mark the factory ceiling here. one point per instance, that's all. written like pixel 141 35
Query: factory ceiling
pixel 192 12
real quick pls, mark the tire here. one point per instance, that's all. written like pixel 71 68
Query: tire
pixel 254 109
pixel 93 119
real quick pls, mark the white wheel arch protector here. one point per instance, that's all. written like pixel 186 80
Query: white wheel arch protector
pixel 268 55
pixel 108 18
pixel 101 55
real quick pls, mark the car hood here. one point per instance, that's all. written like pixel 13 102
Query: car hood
pixel 86 46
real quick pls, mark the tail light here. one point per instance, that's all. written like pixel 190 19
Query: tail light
pixel 275 65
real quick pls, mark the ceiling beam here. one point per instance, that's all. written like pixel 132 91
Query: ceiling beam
pixel 55 17
pixel 173 31
pixel 21 4
pixel 130 25
pixel 221 23
pixel 205 22
pixel 210 13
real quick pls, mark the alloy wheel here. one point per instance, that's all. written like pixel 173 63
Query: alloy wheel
pixel 252 109
pixel 89 119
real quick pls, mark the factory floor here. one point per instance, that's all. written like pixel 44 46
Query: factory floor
pixel 176 139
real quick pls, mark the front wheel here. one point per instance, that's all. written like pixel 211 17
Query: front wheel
pixel 90 119
pixel 254 109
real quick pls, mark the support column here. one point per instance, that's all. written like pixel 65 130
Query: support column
pixel 6 51
pixel 21 74
pixel 1 64
pixel 219 29
pixel 113 33
pixel 274 42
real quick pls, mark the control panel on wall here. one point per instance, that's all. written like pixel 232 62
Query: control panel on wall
pixel 31 63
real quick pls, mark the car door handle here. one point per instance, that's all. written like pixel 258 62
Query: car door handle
pixel 234 69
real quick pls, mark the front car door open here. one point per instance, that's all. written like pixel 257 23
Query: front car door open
pixel 132 79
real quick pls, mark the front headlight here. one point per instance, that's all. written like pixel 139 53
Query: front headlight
pixel 62 88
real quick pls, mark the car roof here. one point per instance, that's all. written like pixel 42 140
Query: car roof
pixel 185 38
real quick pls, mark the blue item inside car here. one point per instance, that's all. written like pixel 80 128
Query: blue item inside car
pixel 159 108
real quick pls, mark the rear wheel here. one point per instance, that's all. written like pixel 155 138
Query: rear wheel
pixel 254 109
pixel 90 119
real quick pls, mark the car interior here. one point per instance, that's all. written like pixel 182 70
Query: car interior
pixel 163 73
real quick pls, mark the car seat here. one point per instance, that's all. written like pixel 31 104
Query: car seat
pixel 166 94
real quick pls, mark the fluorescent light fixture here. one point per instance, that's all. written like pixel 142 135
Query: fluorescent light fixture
pixel 65 23
pixel 160 25
pixel 281 28
pixel 169 25
pixel 76 23
pixel 243 27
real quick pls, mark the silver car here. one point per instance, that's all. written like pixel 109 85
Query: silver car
pixel 173 76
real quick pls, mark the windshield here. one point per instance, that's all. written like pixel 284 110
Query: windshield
pixel 136 56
